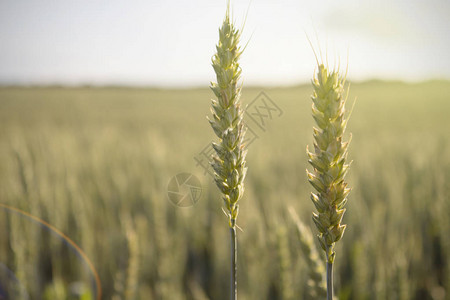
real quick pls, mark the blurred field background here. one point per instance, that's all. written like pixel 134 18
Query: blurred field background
pixel 95 163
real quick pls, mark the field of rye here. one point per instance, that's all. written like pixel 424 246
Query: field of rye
pixel 84 174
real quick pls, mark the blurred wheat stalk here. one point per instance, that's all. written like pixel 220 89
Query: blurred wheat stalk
pixel 316 283
pixel 328 161
pixel 227 123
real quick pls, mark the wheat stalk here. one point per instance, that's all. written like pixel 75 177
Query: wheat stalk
pixel 316 283
pixel 285 263
pixel 132 280
pixel 328 161
pixel 227 123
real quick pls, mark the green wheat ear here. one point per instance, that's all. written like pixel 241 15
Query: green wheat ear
pixel 329 157
pixel 227 122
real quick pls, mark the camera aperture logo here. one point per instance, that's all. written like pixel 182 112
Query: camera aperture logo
pixel 184 190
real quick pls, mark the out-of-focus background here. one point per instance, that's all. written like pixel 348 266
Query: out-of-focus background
pixel 103 103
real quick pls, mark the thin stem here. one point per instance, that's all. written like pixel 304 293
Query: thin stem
pixel 233 292
pixel 329 280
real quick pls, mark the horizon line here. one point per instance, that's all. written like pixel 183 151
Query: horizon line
pixel 199 86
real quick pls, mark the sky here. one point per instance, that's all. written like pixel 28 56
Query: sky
pixel 170 43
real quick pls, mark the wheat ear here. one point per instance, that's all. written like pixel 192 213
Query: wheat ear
pixel 328 161
pixel 227 123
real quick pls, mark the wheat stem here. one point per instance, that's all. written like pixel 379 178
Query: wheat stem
pixel 329 280
pixel 233 291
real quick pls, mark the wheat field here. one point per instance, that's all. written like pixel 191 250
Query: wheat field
pixel 94 164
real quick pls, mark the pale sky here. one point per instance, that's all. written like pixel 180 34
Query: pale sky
pixel 170 43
